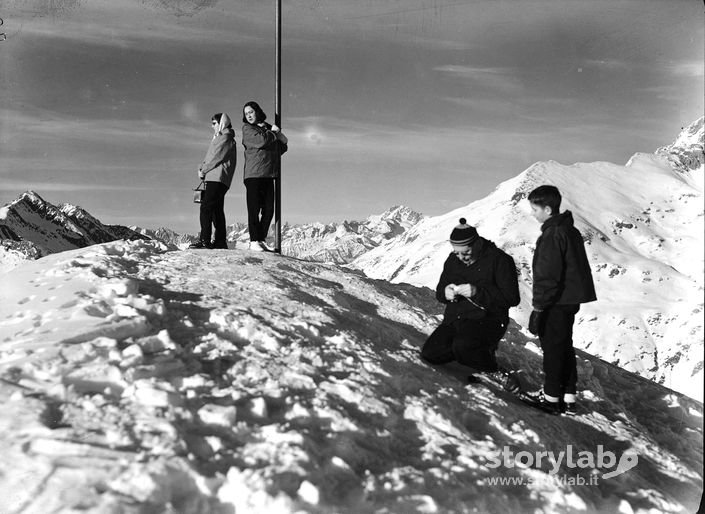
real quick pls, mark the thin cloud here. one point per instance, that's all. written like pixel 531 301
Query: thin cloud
pixel 16 185
pixel 130 26
pixel 368 146
pixel 517 107
pixel 503 80
pixel 483 104
pixel 49 126
pixel 688 69
pixel 609 64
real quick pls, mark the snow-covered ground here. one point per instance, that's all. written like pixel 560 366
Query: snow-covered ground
pixel 140 380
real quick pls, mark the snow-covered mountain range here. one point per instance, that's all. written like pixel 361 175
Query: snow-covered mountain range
pixel 134 379
pixel 337 243
pixel 167 236
pixel 340 243
pixel 31 227
pixel 643 227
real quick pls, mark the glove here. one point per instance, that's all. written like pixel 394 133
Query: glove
pixel 450 292
pixel 536 322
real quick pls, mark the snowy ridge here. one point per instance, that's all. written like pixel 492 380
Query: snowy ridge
pixel 643 225
pixel 135 379
pixel 45 228
pixel 686 153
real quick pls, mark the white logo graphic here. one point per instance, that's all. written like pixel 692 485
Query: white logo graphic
pixel 627 461
pixel 583 459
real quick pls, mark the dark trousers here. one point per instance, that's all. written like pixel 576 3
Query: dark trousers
pixel 556 336
pixel 260 206
pixel 213 213
pixel 470 342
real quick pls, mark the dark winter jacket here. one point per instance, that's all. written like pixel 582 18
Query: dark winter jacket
pixel 560 266
pixel 262 151
pixel 495 277
pixel 219 163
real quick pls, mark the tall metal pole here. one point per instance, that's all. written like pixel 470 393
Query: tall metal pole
pixel 278 122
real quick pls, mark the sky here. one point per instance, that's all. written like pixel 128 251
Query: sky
pixel 425 103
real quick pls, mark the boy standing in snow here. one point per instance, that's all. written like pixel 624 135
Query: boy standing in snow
pixel 562 281
pixel 478 285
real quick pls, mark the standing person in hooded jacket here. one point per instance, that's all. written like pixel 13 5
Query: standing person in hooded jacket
pixel 217 169
pixel 562 281
pixel 264 145
pixel 478 285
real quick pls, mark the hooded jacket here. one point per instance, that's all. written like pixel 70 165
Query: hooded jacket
pixel 263 151
pixel 494 276
pixel 560 266
pixel 221 157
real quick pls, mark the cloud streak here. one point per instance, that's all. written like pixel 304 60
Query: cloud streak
pixel 129 25
pixel 500 80
pixel 690 69
pixel 17 185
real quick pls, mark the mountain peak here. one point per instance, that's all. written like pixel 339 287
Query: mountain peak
pixel 51 229
pixel 686 153
pixel 398 214
pixel 398 210
pixel 692 135
pixel 30 197
pixel 30 194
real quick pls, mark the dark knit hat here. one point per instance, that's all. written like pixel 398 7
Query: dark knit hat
pixel 463 234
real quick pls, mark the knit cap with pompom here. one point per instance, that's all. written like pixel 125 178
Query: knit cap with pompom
pixel 463 234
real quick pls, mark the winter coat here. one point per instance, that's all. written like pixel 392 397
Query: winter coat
pixel 560 266
pixel 221 157
pixel 494 276
pixel 263 151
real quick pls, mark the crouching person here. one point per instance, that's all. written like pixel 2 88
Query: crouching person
pixel 478 285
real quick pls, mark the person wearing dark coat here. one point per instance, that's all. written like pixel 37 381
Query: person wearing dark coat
pixel 562 280
pixel 264 145
pixel 478 285
pixel 216 170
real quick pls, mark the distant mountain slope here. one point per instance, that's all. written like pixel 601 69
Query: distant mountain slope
pixel 337 243
pixel 643 225
pixel 31 227
pixel 166 235
pixel 340 243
